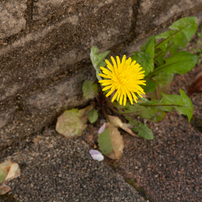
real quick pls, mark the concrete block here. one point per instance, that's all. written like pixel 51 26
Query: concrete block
pixel 12 18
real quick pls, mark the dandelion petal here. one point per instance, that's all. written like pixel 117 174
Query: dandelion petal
pixel 102 128
pixel 96 155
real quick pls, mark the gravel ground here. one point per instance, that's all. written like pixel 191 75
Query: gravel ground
pixel 168 168
pixel 58 169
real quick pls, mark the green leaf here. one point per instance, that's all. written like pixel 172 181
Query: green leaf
pixel 97 60
pixel 148 46
pixel 185 105
pixel 3 174
pixel 179 39
pixel 181 63
pixel 150 86
pixel 141 129
pixel 159 58
pixel 92 115
pixel 151 113
pixel 145 60
pixel 173 49
pixel 90 89
pixel 188 25
pixel 104 142
pixel 163 79
pixel 144 131
pixel 167 36
pixel 172 40
pixel 181 33
pixel 72 122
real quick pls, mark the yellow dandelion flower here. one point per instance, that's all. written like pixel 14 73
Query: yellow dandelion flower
pixel 123 78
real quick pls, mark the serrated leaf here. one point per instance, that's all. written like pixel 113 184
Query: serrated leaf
pixel 72 122
pixel 144 131
pixel 181 63
pixel 172 40
pixel 145 60
pixel 141 129
pixel 92 115
pixel 90 89
pixel 184 103
pixel 148 112
pixel 148 46
pixel 181 33
pixel 104 142
pixel 163 79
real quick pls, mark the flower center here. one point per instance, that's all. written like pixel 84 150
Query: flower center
pixel 121 79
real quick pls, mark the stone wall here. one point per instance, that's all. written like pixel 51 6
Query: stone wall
pixel 45 46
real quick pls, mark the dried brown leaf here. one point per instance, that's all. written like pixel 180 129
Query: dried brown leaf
pixel 8 171
pixel 4 189
pixel 13 172
pixel 196 85
pixel 118 123
pixel 72 122
pixel 116 141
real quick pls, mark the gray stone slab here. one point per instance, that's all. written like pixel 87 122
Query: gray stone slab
pixel 12 18
pixel 29 115
pixel 59 169
pixel 58 35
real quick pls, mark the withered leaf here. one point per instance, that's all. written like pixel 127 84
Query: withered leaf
pixel 196 85
pixel 72 122
pixel 8 171
pixel 116 141
pixel 111 142
pixel 4 189
pixel 118 123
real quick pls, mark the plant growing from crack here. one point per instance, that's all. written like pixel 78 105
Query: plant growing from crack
pixel 138 86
